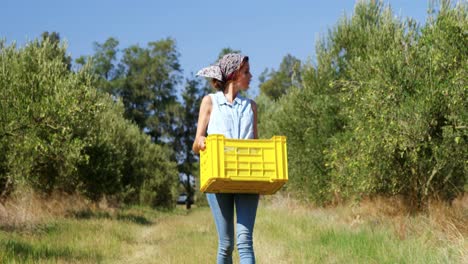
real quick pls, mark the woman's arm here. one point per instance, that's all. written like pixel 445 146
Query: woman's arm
pixel 202 125
pixel 254 110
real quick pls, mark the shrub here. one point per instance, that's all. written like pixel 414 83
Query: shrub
pixel 58 132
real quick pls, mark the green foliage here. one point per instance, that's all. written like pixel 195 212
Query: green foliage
pixel 39 109
pixel 267 109
pixel 145 79
pixel 274 84
pixel 188 114
pixel 383 111
pixel 53 39
pixel 148 88
pixel 105 65
pixel 58 132
pixel 405 105
pixel 308 117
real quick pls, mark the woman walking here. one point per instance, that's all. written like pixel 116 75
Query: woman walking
pixel 227 112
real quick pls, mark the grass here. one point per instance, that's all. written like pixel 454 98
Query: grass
pixel 315 238
pixel 286 232
pixel 81 237
pixel 75 239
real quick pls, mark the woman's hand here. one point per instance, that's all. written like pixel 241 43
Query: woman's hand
pixel 201 143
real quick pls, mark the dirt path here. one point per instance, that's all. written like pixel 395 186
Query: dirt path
pixel 175 239
pixel 192 238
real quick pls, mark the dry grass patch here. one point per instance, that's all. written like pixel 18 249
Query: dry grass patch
pixel 441 227
pixel 26 209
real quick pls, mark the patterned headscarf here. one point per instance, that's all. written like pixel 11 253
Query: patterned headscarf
pixel 228 64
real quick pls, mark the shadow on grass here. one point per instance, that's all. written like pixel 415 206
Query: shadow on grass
pixel 23 251
pixel 88 214
pixel 41 228
pixel 127 217
pixel 137 219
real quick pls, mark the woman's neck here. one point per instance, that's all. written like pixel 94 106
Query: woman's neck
pixel 231 92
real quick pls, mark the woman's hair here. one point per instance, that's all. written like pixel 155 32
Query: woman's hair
pixel 220 85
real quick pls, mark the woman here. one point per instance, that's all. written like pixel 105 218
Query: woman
pixel 227 112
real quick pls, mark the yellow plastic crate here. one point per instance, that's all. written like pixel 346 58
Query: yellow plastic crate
pixel 243 166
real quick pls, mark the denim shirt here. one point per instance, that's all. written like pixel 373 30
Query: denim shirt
pixel 231 120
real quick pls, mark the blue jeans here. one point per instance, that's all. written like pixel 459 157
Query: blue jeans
pixel 222 207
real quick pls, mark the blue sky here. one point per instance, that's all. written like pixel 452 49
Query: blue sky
pixel 264 30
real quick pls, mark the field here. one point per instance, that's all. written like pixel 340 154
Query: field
pixel 286 232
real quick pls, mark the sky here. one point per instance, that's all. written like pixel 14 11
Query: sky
pixel 266 31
